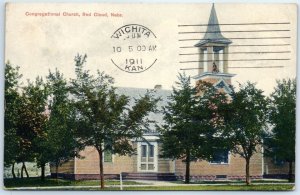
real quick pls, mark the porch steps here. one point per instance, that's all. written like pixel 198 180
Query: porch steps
pixel 150 176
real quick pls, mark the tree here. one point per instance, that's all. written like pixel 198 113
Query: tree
pixel 12 101
pixel 103 118
pixel 31 121
pixel 24 118
pixel 193 122
pixel 247 123
pixel 282 116
pixel 61 144
pixel 42 152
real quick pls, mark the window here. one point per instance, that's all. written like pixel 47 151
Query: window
pixel 277 161
pixel 144 151
pixel 107 156
pixel 147 156
pixel 151 151
pixel 220 157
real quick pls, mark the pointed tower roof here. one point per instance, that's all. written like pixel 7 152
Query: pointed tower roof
pixel 213 32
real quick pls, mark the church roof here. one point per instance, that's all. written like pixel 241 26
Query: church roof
pixel 136 93
pixel 213 32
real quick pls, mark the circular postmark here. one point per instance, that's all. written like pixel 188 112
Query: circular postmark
pixel 134 48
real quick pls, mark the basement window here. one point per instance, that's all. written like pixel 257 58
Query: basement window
pixel 221 176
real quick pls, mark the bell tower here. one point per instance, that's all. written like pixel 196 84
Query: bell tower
pixel 213 54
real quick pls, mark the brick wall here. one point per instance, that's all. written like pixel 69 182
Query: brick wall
pixel 90 163
pixel 235 167
pixel 270 168
pixel 164 165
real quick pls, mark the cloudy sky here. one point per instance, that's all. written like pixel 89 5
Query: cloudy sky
pixel 263 36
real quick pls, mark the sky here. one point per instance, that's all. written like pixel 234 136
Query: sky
pixel 38 44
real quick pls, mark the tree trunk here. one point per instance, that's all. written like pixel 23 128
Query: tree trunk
pixel 13 170
pixel 248 181
pixel 187 168
pixel 43 171
pixel 56 171
pixel 22 169
pixel 27 175
pixel 291 176
pixel 101 167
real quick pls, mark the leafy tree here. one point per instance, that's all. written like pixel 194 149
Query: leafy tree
pixel 103 118
pixel 12 101
pixel 31 121
pixel 42 152
pixel 24 118
pixel 193 122
pixel 60 145
pixel 247 123
pixel 282 116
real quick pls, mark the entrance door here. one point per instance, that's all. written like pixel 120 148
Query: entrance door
pixel 147 157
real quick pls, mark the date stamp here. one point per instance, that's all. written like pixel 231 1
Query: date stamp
pixel 134 48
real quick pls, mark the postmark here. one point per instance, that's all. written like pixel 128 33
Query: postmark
pixel 134 48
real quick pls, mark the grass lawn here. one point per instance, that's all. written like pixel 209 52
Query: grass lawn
pixel 235 181
pixel 219 187
pixel 36 182
pixel 84 185
pixel 273 187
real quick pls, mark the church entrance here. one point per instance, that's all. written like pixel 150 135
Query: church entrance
pixel 147 157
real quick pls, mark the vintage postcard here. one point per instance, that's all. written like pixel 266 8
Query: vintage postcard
pixel 150 96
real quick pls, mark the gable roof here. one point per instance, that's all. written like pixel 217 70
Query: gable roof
pixel 221 84
pixel 136 93
pixel 213 32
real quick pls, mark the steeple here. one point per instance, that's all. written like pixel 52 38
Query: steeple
pixel 213 54
pixel 213 33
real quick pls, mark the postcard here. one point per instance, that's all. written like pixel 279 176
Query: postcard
pixel 102 96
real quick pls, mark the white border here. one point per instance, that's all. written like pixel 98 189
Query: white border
pixel 2 19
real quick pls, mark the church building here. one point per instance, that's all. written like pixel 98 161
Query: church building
pixel 147 164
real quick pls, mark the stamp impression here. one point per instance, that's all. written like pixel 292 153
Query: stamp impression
pixel 134 48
